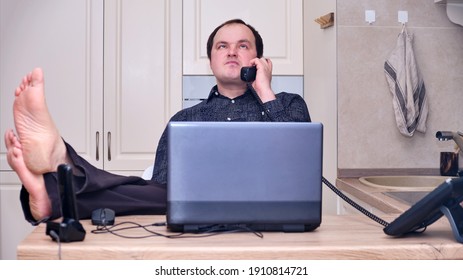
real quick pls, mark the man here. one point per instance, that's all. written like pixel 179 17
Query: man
pixel 38 149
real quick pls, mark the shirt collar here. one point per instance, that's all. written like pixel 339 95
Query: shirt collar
pixel 215 93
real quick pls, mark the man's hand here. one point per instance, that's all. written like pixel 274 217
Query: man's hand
pixel 262 84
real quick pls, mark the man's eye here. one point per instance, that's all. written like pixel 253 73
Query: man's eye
pixel 221 46
pixel 244 46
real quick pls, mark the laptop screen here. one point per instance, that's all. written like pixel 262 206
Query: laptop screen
pixel 266 176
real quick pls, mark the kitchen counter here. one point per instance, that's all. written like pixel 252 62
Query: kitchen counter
pixel 386 201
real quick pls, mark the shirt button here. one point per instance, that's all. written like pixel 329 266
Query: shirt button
pixel 263 113
pixel 233 101
pixel 228 119
pixel 216 93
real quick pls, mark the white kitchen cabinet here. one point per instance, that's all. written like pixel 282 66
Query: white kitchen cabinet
pixel 13 226
pixel 142 80
pixel 113 75
pixel 279 22
pixel 65 39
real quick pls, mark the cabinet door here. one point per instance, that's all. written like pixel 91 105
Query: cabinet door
pixel 13 227
pixel 65 38
pixel 139 79
pixel 278 21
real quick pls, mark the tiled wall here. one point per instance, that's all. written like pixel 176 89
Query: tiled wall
pixel 368 137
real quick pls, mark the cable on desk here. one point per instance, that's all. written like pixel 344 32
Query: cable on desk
pixel 56 236
pixel 205 232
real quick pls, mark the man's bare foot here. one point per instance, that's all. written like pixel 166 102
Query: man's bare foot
pixel 39 202
pixel 42 147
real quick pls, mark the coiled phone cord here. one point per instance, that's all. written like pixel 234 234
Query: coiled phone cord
pixel 324 180
pixel 354 204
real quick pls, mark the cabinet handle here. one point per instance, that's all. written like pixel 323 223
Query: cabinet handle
pixel 97 146
pixel 109 146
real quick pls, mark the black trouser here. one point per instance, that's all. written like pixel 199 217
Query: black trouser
pixel 96 188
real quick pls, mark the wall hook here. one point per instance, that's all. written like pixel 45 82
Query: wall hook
pixel 402 17
pixel 370 16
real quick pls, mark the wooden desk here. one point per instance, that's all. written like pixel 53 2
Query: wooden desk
pixel 339 237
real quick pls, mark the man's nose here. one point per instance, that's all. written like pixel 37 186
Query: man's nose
pixel 232 50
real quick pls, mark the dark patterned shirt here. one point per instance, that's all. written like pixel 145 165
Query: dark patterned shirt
pixel 287 107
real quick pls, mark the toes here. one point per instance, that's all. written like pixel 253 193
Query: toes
pixel 36 76
pixel 32 79
pixel 15 141
pixel 25 81
pixel 17 153
pixel 9 135
pixel 7 139
pixel 11 141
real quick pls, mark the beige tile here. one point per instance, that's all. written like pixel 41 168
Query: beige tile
pixel 367 133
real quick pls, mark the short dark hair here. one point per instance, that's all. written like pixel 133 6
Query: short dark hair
pixel 257 37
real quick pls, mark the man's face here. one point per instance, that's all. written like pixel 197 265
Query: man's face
pixel 233 47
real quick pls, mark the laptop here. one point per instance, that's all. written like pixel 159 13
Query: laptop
pixel 259 176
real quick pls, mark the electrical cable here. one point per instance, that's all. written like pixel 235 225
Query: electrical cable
pixel 204 232
pixel 216 229
pixel 212 229
pixel 324 180
pixel 56 236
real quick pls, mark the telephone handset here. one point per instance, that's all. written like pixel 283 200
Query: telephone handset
pixel 248 74
pixel 70 229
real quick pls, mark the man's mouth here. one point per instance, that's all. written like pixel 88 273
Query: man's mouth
pixel 232 63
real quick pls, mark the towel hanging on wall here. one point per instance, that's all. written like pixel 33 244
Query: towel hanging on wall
pixel 407 87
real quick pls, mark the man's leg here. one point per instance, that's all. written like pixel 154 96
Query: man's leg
pixel 39 149
pixel 127 195
pixel 95 188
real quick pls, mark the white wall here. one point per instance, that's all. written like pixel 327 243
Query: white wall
pixel 320 87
